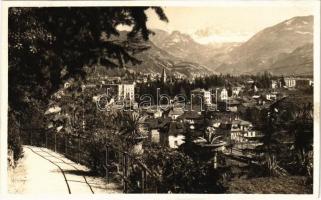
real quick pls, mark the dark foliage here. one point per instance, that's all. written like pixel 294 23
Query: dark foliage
pixel 50 45
pixel 14 141
pixel 288 137
pixel 181 173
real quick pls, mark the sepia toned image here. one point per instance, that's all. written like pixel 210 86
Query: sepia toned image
pixel 161 99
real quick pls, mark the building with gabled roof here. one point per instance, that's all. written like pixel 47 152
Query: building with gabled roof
pixel 174 113
pixel 201 96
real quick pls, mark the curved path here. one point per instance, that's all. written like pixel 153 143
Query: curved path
pixel 46 172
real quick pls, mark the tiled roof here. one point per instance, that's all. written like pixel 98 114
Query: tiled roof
pixel 152 123
pixel 175 128
pixel 176 112
pixel 190 115
pixel 197 90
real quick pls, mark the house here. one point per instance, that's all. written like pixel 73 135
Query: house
pixel 250 135
pixel 270 96
pixel 201 96
pixel 175 112
pixel 154 136
pixel 197 108
pixel 239 129
pixel 303 82
pixel 176 135
pixel 190 117
pixel 142 79
pixel 174 141
pixel 299 82
pixel 232 105
pixel 233 130
pixel 152 125
pixel 220 95
pixel 126 91
pixel 274 84
pixel 260 100
pixel 252 139
pixel 121 90
pixel 236 91
pixel 210 109
pixel 290 82
pixel 250 81
pixel 226 102
pixel 157 113
pixel 114 79
pixel 223 94
pixel 89 85
pixel 165 132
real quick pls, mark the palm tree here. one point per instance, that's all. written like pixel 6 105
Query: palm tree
pixel 210 137
pixel 302 128
pixel 211 143
pixel 130 128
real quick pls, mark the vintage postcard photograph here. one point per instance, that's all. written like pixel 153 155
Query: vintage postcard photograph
pixel 160 97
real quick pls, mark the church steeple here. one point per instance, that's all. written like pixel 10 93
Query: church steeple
pixel 163 76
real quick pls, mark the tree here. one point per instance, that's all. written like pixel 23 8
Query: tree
pixel 288 136
pixel 302 128
pixel 271 146
pixel 130 128
pixel 14 141
pixel 180 173
pixel 49 45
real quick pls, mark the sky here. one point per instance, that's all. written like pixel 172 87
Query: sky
pixel 227 23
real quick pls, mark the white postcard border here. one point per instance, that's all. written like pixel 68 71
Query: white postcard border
pixel 4 96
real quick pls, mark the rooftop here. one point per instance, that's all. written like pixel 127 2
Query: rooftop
pixel 190 115
pixel 176 111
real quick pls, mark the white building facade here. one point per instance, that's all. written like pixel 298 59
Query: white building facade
pixel 204 94
pixel 224 95
pixel 126 91
pixel 290 82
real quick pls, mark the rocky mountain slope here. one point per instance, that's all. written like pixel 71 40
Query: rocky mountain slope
pixel 271 48
pixel 298 62
pixel 155 59
pixel 186 48
pixel 285 48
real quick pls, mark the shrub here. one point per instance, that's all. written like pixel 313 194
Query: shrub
pixel 181 174
pixel 14 140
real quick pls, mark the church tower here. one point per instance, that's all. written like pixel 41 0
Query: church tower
pixel 163 76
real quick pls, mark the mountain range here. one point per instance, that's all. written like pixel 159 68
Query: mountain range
pixel 173 59
pixel 283 49
pixel 286 48
pixel 184 47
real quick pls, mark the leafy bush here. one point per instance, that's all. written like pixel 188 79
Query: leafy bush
pixel 181 174
pixel 14 140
